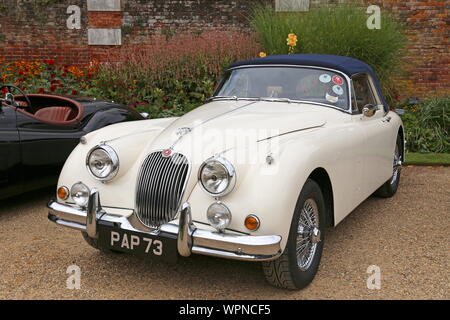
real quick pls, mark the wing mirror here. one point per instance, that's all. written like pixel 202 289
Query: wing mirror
pixel 369 110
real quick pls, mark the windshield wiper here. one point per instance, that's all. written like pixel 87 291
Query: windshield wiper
pixel 276 100
pixel 222 97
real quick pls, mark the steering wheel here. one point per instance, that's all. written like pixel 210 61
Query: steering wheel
pixel 9 97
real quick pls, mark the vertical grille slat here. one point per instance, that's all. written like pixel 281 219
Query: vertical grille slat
pixel 160 188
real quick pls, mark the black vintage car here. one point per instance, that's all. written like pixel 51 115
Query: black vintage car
pixel 38 132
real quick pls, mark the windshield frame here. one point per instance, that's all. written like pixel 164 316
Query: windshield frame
pixel 346 77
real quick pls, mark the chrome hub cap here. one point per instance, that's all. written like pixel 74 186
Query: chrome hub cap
pixel 308 234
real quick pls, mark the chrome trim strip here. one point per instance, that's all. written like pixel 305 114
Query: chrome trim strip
pixel 189 238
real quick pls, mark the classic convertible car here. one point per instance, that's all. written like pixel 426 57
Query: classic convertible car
pixel 38 132
pixel 286 147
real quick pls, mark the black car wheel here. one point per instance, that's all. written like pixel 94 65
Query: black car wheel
pixel 298 264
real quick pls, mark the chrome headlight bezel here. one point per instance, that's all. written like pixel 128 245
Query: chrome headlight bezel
pixel 230 171
pixel 114 162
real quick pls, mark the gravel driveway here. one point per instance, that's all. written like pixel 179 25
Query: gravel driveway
pixel 407 236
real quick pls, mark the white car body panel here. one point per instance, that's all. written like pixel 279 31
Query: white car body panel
pixel 354 150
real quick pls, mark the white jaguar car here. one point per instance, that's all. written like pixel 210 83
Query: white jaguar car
pixel 286 147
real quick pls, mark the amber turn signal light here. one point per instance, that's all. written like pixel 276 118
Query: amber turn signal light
pixel 252 222
pixel 63 193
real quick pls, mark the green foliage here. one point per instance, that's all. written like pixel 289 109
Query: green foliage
pixel 427 126
pixel 171 76
pixel 339 30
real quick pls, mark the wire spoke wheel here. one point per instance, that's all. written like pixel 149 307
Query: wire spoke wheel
pixel 308 234
pixel 397 165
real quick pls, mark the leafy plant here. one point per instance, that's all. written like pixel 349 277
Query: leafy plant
pixel 173 75
pixel 427 126
pixel 339 30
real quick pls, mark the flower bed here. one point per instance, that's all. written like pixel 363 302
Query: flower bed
pixel 47 77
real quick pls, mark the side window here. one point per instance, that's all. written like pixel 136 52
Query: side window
pixel 362 93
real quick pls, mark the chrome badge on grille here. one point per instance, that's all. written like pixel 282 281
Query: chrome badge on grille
pixel 167 153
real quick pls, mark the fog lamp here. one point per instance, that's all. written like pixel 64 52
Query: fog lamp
pixel 219 216
pixel 80 194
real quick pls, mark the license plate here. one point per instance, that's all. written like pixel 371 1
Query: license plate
pixel 144 245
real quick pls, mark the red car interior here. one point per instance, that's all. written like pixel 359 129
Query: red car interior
pixel 51 109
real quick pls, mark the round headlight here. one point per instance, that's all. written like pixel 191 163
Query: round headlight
pixel 219 216
pixel 217 176
pixel 102 162
pixel 80 194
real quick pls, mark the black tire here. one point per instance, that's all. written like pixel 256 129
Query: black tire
pixel 285 272
pixel 389 188
pixel 93 243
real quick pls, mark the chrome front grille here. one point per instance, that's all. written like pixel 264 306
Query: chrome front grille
pixel 160 187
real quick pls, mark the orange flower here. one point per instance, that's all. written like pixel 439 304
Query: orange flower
pixel 262 54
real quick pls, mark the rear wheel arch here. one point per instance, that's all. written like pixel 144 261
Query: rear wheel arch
pixel 321 177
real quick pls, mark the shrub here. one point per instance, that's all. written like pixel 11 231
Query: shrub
pixel 339 30
pixel 427 126
pixel 172 75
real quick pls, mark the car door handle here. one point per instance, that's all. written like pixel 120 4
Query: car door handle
pixel 387 119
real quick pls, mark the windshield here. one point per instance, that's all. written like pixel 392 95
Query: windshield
pixel 288 83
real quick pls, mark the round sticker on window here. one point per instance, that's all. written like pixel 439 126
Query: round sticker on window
pixel 325 78
pixel 338 90
pixel 338 80
pixel 331 98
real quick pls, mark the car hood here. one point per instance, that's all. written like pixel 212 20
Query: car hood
pixel 222 125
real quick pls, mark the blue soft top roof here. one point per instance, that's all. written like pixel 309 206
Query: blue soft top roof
pixel 347 65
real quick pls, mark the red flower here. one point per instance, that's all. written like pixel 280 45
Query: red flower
pixel 54 81
pixel 64 74
pixel 74 92
pixel 61 85
pixel 49 61
pixel 41 90
pixel 53 88
pixel 53 75
pixel 21 73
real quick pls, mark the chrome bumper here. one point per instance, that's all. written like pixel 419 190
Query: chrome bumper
pixel 189 238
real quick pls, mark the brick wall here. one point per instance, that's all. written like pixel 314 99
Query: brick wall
pixel 36 29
